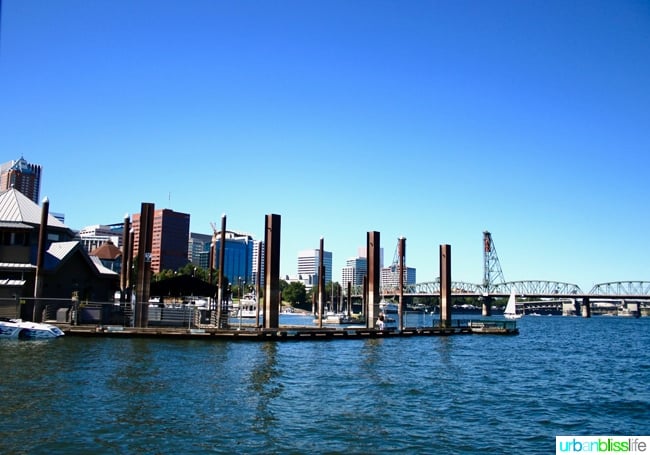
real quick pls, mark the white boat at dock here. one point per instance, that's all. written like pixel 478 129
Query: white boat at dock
pixel 338 318
pixel 247 307
pixel 388 307
pixel 25 330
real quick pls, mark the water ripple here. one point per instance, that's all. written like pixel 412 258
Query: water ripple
pixel 462 395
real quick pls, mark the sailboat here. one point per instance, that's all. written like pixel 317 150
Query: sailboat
pixel 511 308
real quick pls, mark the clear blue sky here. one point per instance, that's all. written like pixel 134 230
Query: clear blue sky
pixel 433 120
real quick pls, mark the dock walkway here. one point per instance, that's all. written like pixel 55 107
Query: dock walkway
pixel 284 333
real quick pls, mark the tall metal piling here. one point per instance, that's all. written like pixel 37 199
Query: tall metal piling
pixel 374 292
pixel 321 282
pixel 40 260
pixel 126 247
pixel 445 285
pixel 213 297
pixel 222 298
pixel 272 272
pixel 143 282
pixel 401 247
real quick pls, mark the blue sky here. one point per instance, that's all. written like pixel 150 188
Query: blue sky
pixel 432 120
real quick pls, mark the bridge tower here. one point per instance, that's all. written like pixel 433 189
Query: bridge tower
pixel 492 272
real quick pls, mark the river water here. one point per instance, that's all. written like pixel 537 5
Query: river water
pixel 462 394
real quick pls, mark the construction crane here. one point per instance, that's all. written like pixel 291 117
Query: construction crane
pixel 215 231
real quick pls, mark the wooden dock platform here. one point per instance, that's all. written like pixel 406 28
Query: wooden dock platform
pixel 285 333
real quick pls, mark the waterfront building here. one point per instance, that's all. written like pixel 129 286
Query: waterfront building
pixel 354 271
pixel 390 276
pixel 308 262
pixel 357 268
pixel 92 237
pixel 23 176
pixel 258 250
pixel 309 281
pixel 59 216
pixel 362 252
pixel 109 255
pixel 169 242
pixel 67 270
pixel 240 257
pixel 202 259
pixel 197 244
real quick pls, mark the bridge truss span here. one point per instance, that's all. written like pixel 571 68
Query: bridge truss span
pixel 536 287
pixel 621 288
pixel 433 288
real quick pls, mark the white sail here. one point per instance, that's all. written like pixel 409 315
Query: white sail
pixel 511 308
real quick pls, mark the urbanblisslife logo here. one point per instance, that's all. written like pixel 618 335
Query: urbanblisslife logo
pixel 602 444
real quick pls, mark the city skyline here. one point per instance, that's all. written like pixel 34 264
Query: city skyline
pixel 434 121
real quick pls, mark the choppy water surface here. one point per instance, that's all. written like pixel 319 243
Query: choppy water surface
pixel 461 394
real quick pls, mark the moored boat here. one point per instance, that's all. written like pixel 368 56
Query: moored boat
pixel 331 317
pixel 388 307
pixel 25 330
pixel 247 307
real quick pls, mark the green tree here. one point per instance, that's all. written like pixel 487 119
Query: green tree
pixel 295 293
pixel 188 269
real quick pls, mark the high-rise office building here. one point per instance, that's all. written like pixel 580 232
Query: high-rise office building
pixel 23 176
pixel 390 276
pixel 356 268
pixel 94 236
pixel 198 243
pixel 237 256
pixel 308 262
pixel 169 241
pixel 354 271
pixel 240 257
pixel 258 249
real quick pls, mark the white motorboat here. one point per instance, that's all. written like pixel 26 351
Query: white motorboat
pixel 388 307
pixel 247 307
pixel 25 330
pixel 331 317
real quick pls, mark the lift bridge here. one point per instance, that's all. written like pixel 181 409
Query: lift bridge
pixel 494 285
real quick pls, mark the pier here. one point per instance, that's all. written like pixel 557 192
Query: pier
pixel 270 329
pixel 135 316
pixel 291 333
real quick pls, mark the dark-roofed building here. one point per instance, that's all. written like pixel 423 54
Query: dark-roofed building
pixel 67 267
pixel 109 255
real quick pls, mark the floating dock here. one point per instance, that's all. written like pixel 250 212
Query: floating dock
pixel 290 333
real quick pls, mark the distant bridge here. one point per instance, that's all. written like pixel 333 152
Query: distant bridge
pixel 532 288
pixel 494 284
